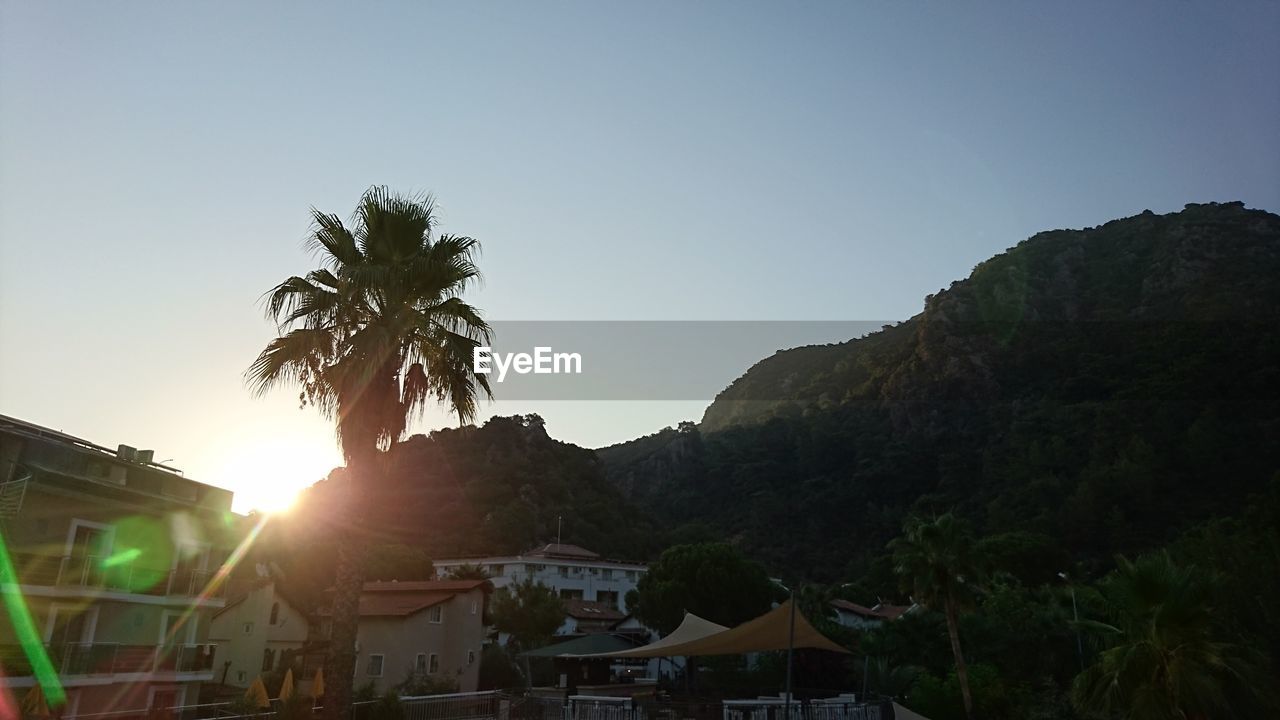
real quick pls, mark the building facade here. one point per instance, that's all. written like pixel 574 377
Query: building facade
pixel 424 632
pixel 254 633
pixel 114 559
pixel 574 572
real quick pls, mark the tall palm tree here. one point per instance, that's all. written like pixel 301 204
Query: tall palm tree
pixel 1161 660
pixel 936 562
pixel 373 336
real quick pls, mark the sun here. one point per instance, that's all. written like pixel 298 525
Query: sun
pixel 268 470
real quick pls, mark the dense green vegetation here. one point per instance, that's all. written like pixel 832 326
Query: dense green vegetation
pixel 710 580
pixel 1083 395
pixel 497 488
pixel 1103 388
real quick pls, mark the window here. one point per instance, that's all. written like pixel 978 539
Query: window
pixel 436 614
pixel 434 667
pixel 606 574
pixel 471 656
pixel 607 597
pixel 242 676
pixel 570 594
pixel 275 613
pixel 375 666
pixel 631 574
pixel 268 659
pixel 420 663
pixel 564 571
pixel 248 628
pixel 496 570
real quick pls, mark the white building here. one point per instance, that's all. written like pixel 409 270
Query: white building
pixel 253 633
pixel 574 572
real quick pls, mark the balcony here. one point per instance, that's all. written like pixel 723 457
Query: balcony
pixel 96 659
pixel 97 573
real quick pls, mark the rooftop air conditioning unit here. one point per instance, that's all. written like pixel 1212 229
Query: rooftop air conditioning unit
pixel 124 452
pixel 145 456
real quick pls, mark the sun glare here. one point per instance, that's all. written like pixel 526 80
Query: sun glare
pixel 268 472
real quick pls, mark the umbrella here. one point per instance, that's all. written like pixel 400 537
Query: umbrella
pixel 286 687
pixel 317 685
pixel 34 704
pixel 257 693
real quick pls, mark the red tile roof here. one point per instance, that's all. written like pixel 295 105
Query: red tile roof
pixel 406 598
pixel 560 550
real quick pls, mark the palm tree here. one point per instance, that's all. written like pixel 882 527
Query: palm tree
pixel 373 336
pixel 936 563
pixel 1161 660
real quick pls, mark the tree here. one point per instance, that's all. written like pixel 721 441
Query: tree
pixel 529 612
pixel 936 562
pixel 711 580
pixel 397 562
pixel 373 336
pixel 467 571
pixel 1161 659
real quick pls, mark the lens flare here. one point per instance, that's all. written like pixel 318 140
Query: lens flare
pixel 25 628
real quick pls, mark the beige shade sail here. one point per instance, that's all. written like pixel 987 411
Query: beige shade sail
pixel 771 631
pixel 691 629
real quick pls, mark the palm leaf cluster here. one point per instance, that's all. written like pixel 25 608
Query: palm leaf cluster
pixel 380 330
pixel 1160 658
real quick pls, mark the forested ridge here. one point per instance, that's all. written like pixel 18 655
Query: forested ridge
pixel 1100 389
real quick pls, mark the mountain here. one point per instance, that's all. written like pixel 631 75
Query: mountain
pixel 1097 389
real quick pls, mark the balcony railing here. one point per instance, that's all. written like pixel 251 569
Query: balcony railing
pixel 96 572
pixel 74 659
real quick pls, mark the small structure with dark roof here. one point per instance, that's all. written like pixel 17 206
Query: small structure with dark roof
pixel 851 614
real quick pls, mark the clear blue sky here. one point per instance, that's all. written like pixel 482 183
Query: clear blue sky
pixel 620 161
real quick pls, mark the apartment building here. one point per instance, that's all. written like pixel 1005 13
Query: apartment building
pixel 574 572
pixel 114 556
pixel 423 630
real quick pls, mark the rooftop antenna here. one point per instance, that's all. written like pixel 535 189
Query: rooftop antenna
pixel 559 518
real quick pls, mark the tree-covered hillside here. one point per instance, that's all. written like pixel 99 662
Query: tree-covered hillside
pixel 1098 389
pixel 503 487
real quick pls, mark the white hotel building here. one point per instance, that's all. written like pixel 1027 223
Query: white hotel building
pixel 574 572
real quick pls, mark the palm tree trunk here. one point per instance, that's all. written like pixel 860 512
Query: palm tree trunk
pixel 339 666
pixel 962 670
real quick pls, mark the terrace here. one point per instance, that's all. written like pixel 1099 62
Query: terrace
pixel 94 573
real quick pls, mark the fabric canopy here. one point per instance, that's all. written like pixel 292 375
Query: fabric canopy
pixel 585 645
pixel 771 631
pixel 691 629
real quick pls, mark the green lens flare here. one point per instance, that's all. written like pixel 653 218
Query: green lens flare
pixel 122 558
pixel 143 553
pixel 25 627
